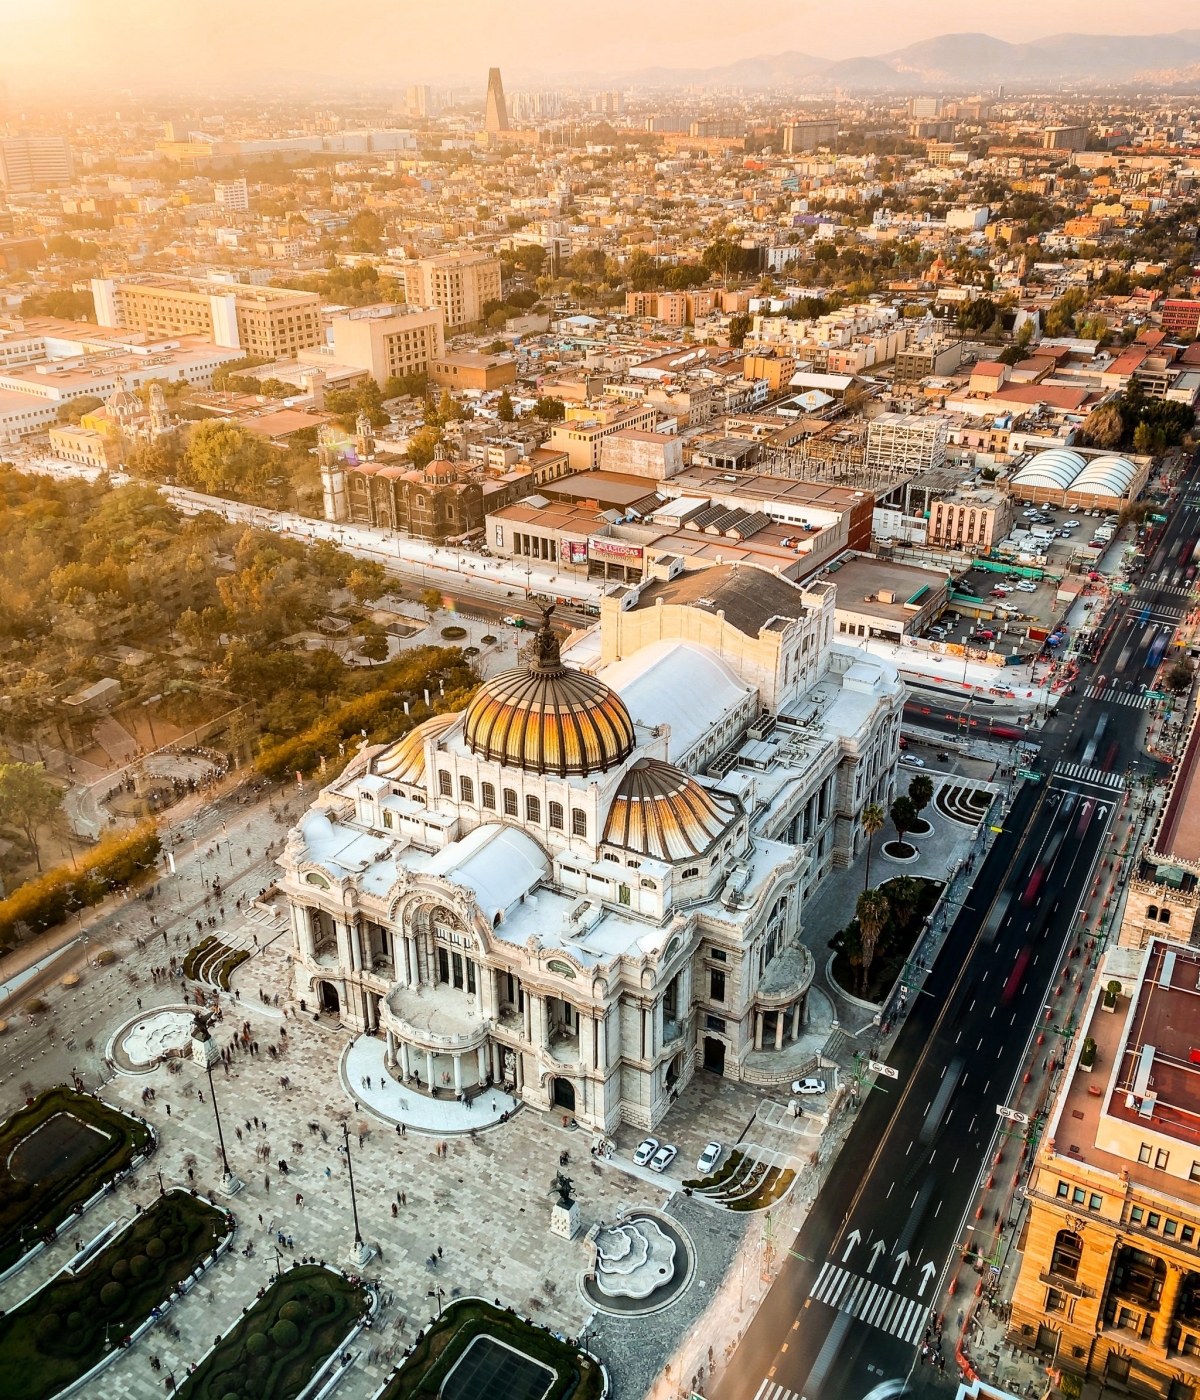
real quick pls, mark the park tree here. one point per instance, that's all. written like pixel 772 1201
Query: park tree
pixel 424 445
pixel 871 911
pixel 1105 428
pixel 367 580
pixel 27 800
pixel 550 410
pixel 504 407
pixel 224 459
pixel 1179 677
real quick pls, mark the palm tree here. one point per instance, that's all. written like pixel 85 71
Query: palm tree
pixel 904 816
pixel 872 819
pixel 920 790
pixel 871 911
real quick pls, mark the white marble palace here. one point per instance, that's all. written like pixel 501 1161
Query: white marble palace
pixel 593 877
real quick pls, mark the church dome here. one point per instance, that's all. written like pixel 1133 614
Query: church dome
pixel 404 761
pixel 545 717
pixel 660 812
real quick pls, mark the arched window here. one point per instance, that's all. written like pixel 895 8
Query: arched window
pixel 556 816
pixel 488 791
pixel 691 871
pixel 444 786
pixel 1164 916
pixel 1152 912
pixel 510 802
pixel 466 790
pixel 1068 1250
pixel 533 809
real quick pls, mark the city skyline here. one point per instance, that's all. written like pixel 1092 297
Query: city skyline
pixel 135 45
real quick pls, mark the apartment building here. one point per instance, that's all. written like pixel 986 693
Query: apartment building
pixel 582 439
pixel 459 282
pixel 933 357
pixel 388 340
pixel 970 520
pixel 30 163
pixel 274 322
pixel 910 441
pixel 1109 1284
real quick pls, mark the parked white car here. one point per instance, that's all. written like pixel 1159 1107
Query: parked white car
pixel 663 1158
pixel 808 1086
pixel 708 1159
pixel 645 1150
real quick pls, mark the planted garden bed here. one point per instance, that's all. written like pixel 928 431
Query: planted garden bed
pixel 491 1372
pixel 55 1154
pixel 278 1346
pixel 193 955
pixel 60 1333
pixel 910 900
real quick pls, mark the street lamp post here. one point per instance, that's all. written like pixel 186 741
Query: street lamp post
pixel 439 1293
pixel 360 1253
pixel 230 1185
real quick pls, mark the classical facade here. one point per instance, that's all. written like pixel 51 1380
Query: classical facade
pixel 1109 1282
pixel 547 892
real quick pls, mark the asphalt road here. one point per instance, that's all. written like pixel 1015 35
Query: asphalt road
pixel 848 1311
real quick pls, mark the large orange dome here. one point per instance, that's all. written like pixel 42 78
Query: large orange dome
pixel 659 811
pixel 545 717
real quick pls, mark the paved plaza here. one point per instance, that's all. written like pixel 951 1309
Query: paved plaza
pixel 471 1201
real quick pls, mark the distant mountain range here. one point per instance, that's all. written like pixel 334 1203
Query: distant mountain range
pixel 964 61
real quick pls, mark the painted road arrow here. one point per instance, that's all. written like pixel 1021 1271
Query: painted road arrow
pixel 926 1274
pixel 901 1260
pixel 876 1250
pixel 853 1238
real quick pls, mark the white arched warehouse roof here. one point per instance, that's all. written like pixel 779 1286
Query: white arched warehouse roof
pixel 1106 476
pixel 1054 470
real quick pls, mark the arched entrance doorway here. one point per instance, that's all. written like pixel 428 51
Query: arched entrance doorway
pixel 673 1070
pixel 714 1054
pixel 329 998
pixel 562 1094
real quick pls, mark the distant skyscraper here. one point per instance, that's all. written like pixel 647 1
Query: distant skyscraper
pixel 495 117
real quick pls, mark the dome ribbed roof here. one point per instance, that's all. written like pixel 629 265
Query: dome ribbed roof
pixel 545 717
pixel 659 811
pixel 404 761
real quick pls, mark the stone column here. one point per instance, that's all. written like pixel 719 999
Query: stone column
pixel 481 1064
pixel 405 1062
pixel 458 1074
pixel 306 942
pixel 527 1029
pixel 429 1069
pixel 758 1019
pixel 779 1019
pixel 354 934
pixel 1166 1307
pixel 390 1056
pixel 412 966
pixel 796 1021
pixel 345 956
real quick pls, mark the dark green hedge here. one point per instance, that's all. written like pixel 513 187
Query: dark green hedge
pixel 275 1349
pixel 38 1207
pixel 58 1335
pixel 192 955
pixel 421 1374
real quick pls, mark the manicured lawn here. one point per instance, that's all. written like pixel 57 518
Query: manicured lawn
pixel 58 1335
pixel 491 1372
pixel 54 1155
pixel 274 1350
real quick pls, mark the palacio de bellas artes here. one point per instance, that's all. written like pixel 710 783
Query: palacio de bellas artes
pixel 594 877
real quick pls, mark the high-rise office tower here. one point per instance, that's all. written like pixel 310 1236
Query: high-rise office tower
pixel 495 117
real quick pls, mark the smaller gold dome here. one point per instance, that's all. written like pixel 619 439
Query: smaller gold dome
pixel 659 811
pixel 404 761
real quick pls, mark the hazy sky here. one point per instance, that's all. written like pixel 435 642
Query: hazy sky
pixel 219 44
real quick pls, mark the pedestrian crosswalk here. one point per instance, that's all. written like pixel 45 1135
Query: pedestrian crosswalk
pixel 1175 590
pixel 1134 699
pixel 872 1303
pixel 1095 777
pixel 770 1391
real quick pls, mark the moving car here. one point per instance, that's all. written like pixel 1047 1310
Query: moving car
pixel 645 1150
pixel 663 1158
pixel 709 1158
pixel 808 1086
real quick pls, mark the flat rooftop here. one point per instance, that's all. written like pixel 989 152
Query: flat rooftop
pixel 1178 835
pixel 1144 1046
pixel 861 580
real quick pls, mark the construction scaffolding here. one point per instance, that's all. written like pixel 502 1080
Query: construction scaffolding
pixel 837 458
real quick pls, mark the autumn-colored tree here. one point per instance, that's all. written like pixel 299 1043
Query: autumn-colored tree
pixel 27 799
